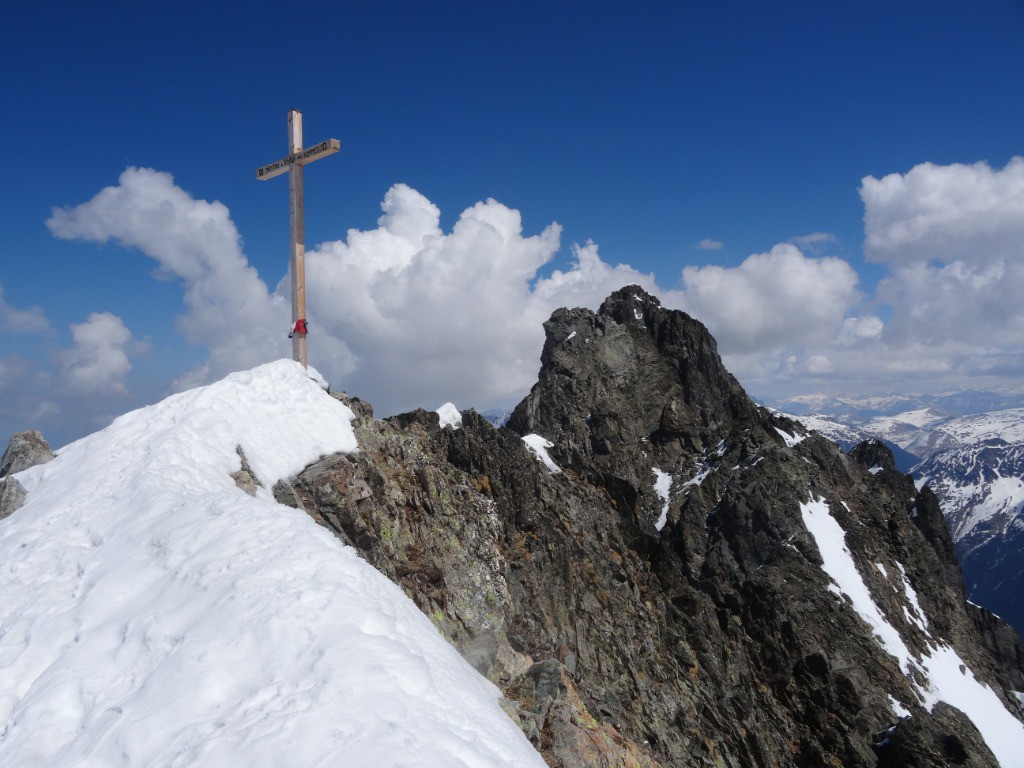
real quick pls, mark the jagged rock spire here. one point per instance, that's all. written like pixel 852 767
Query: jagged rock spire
pixel 631 373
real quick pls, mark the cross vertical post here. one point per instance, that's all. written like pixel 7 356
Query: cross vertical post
pixel 298 245
pixel 293 162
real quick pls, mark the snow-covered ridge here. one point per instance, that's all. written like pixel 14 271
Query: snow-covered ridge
pixel 155 614
pixel 1005 425
pixel 975 464
pixel 833 430
pixel 979 475
pixel 923 431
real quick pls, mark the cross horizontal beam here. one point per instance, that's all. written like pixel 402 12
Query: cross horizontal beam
pixel 323 149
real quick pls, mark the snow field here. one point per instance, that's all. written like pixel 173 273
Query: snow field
pixel 790 440
pixel 154 614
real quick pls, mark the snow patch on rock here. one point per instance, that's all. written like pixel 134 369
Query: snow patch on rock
pixel 449 416
pixel 539 446
pixel 662 485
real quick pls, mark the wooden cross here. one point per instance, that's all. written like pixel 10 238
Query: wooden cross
pixel 297 157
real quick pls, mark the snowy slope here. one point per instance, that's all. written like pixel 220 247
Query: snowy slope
pixel 154 614
pixel 918 431
pixel 937 675
pixel 840 434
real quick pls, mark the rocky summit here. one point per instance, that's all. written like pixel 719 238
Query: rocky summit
pixel 658 572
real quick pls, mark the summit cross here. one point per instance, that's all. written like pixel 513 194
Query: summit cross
pixel 292 163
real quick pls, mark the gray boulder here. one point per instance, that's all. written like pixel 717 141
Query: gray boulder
pixel 12 496
pixel 26 449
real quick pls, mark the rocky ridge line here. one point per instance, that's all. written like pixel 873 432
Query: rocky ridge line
pixel 659 600
pixel 634 624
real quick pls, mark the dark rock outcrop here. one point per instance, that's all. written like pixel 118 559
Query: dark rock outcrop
pixel 1003 642
pixel 25 450
pixel 947 739
pixel 12 496
pixel 661 600
pixel 874 455
pixel 245 478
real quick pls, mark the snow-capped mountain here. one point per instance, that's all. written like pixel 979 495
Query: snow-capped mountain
pixel 847 436
pixel 642 568
pixel 841 434
pixel 858 410
pixel 979 476
pixel 917 432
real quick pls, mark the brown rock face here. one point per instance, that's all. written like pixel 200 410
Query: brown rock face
pixel 712 639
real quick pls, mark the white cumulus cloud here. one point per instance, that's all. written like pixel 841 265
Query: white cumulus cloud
pixel 434 316
pixel 15 320
pixel 403 314
pixel 945 213
pixel 772 300
pixel 196 241
pixel 945 314
pixel 406 314
pixel 98 361
pixel 953 239
pixel 859 329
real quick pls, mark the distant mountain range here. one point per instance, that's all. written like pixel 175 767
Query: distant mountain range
pixel 973 461
pixel 854 410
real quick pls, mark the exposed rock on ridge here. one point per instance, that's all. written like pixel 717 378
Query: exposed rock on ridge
pixel 631 623
pixel 26 449
pixel 630 375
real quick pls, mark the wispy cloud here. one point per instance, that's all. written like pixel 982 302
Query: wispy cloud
pixel 781 298
pixel 814 239
pixel 28 320
pixel 707 244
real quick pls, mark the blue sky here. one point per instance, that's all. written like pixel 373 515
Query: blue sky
pixel 644 128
